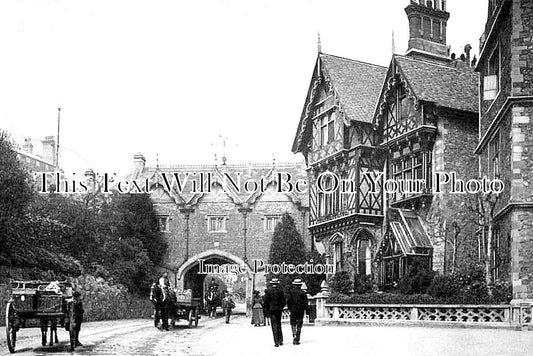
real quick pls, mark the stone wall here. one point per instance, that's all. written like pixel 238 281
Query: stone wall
pixel 453 152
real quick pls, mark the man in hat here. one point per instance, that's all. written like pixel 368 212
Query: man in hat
pixel 78 311
pixel 298 306
pixel 273 308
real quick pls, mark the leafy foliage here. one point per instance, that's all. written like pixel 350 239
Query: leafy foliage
pixel 362 284
pixel 15 195
pixel 313 281
pixel 341 282
pixel 416 280
pixel 382 298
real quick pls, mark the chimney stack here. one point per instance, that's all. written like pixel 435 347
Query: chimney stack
pixel 139 162
pixel 28 146
pixel 427 29
pixel 49 150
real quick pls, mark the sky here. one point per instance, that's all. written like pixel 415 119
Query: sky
pixel 177 80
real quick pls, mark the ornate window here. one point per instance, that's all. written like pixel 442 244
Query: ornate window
pixel 327 128
pixel 364 257
pixel 337 256
pixel 216 223
pixel 329 201
pixel 409 167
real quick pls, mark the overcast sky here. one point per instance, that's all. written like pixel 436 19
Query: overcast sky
pixel 168 78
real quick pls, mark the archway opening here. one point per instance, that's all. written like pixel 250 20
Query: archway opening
pixel 200 273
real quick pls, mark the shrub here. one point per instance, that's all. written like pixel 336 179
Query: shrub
pixel 444 287
pixel 382 298
pixel 362 284
pixel 502 292
pixel 340 282
pixel 416 280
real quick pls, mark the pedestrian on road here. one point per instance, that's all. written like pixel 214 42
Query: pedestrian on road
pixel 267 320
pixel 273 307
pixel 258 317
pixel 298 306
pixel 78 311
pixel 227 305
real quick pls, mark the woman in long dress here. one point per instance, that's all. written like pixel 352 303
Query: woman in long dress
pixel 258 317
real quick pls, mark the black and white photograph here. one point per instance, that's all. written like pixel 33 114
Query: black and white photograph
pixel 254 177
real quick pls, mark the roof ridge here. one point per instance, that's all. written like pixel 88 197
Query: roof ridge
pixel 433 63
pixel 353 60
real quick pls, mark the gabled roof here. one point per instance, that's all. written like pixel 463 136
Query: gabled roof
pixel 357 85
pixel 446 85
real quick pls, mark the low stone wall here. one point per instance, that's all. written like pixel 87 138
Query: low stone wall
pixel 518 316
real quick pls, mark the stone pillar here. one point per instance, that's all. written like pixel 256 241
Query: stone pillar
pixel 321 299
pixel 187 212
pixel 521 214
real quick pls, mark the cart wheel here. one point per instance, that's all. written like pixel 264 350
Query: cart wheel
pixel 191 317
pixel 11 333
pixel 71 327
pixel 196 317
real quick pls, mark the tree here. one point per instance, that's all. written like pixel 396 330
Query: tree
pixel 287 247
pixel 314 281
pixel 15 195
pixel 133 244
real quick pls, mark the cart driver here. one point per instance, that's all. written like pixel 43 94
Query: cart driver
pixel 78 311
pixel 164 284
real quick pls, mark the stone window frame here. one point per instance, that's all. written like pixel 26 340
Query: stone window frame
pixel 337 256
pixel 368 256
pixel 492 69
pixel 163 222
pixel 494 155
pixel 274 219
pixel 329 203
pixel 221 225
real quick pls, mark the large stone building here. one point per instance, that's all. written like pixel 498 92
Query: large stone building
pixel 206 220
pixel 506 136
pixel 371 126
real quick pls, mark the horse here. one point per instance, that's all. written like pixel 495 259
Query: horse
pixel 163 300
pixel 52 324
pixel 212 299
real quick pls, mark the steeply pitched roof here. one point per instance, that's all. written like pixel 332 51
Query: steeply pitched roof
pixel 357 83
pixel 454 87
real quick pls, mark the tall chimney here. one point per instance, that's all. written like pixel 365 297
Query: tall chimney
pixel 427 28
pixel 139 162
pixel 27 146
pixel 49 150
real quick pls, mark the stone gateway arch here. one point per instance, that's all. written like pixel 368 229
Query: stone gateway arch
pixel 204 219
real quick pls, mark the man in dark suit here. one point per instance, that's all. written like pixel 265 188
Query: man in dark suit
pixel 78 312
pixel 273 307
pixel 298 306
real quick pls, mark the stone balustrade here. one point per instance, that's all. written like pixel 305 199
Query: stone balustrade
pixel 482 315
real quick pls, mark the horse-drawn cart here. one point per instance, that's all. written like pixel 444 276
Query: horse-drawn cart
pixel 39 304
pixel 174 305
pixel 186 307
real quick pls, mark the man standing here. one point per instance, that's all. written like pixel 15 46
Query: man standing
pixel 78 312
pixel 227 305
pixel 297 304
pixel 273 307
